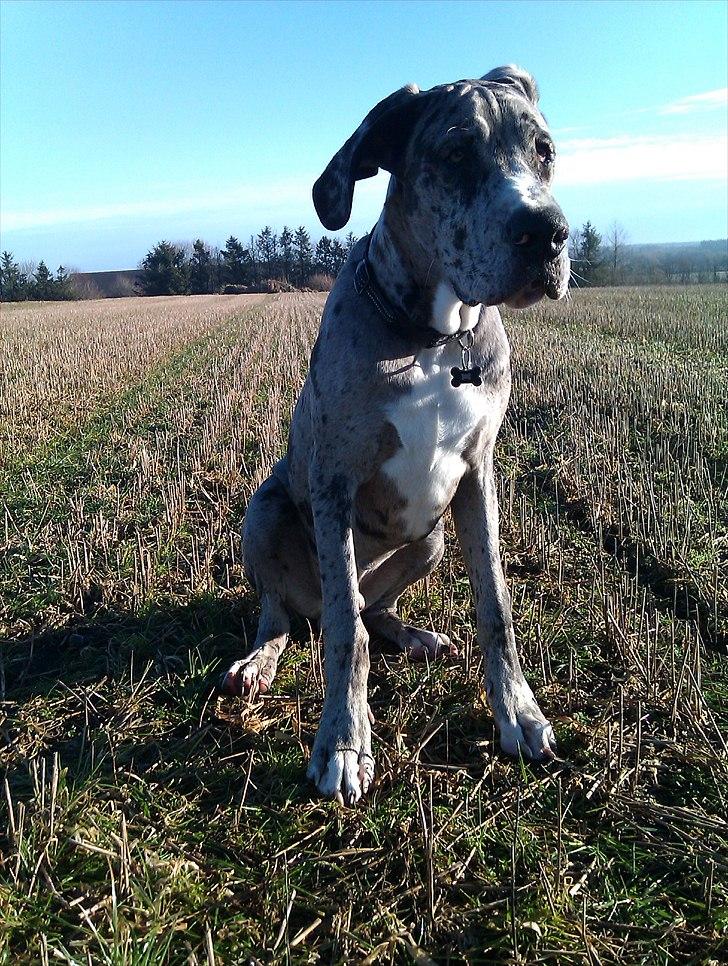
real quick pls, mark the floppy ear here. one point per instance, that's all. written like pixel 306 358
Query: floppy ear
pixel 516 77
pixel 378 142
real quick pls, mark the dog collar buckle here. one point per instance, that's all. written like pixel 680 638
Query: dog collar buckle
pixel 467 374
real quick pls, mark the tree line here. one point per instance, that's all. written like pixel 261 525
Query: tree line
pixel 272 261
pixel 20 283
pixel 269 260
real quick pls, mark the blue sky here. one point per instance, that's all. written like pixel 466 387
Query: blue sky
pixel 122 123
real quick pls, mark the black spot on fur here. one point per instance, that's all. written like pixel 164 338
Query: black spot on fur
pixel 336 497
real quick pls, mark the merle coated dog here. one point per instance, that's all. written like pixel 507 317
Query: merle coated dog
pixel 397 420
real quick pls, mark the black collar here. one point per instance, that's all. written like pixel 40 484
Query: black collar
pixel 365 283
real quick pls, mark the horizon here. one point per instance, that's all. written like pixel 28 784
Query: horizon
pixel 341 235
pixel 232 110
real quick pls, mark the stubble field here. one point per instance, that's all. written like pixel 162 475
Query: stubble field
pixel 145 820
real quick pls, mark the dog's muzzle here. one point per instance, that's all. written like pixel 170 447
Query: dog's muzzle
pixel 538 237
pixel 538 234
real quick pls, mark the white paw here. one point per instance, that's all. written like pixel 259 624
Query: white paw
pixel 423 645
pixel 345 776
pixel 342 765
pixel 533 739
pixel 523 727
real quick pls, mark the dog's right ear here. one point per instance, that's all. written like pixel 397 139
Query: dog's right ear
pixel 378 142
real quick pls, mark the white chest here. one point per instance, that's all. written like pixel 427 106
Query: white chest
pixel 433 422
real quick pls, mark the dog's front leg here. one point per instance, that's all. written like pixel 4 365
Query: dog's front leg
pixel 517 715
pixel 341 763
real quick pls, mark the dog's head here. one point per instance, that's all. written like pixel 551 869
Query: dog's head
pixel 472 164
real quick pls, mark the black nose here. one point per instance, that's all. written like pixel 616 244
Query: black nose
pixel 539 232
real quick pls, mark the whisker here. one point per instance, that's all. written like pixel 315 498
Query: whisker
pixel 427 277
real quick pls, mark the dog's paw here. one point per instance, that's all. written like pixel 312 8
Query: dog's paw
pixel 342 765
pixel 522 725
pixel 345 775
pixel 533 738
pixel 423 645
pixel 253 674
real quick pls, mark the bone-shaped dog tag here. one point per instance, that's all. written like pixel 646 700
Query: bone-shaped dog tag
pixel 461 376
pixel 466 374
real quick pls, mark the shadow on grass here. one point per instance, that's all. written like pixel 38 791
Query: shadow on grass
pixel 120 693
pixel 110 639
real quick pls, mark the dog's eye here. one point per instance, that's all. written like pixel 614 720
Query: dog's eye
pixel 544 151
pixel 454 150
pixel 453 154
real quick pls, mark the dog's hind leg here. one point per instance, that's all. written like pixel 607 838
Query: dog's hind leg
pixel 281 566
pixel 382 587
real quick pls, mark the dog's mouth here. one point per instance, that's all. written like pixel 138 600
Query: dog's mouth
pixel 471 302
pixel 549 281
pixel 528 285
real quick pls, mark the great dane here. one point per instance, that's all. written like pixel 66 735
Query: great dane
pixel 397 420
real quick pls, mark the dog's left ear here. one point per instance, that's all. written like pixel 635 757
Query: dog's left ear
pixel 379 142
pixel 514 76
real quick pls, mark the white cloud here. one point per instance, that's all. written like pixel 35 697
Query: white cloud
pixel 629 158
pixel 709 100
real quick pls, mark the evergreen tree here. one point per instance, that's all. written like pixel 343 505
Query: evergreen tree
pixel 64 289
pixel 338 256
pixel 302 255
pixel 43 287
pixel 285 244
pixel 588 250
pixel 323 257
pixel 349 242
pixel 164 270
pixel 236 263
pixel 201 269
pixel 12 283
pixel 267 245
pixel 217 265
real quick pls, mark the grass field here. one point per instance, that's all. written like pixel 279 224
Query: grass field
pixel 144 820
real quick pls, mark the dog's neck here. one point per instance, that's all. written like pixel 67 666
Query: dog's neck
pixel 411 285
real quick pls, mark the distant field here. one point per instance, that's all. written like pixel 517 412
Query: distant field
pixel 144 820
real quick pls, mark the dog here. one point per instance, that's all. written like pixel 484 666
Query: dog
pixel 408 384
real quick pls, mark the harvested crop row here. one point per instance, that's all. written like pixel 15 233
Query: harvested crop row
pixel 60 361
pixel 78 507
pixel 631 441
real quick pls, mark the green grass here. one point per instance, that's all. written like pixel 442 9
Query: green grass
pixel 145 820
